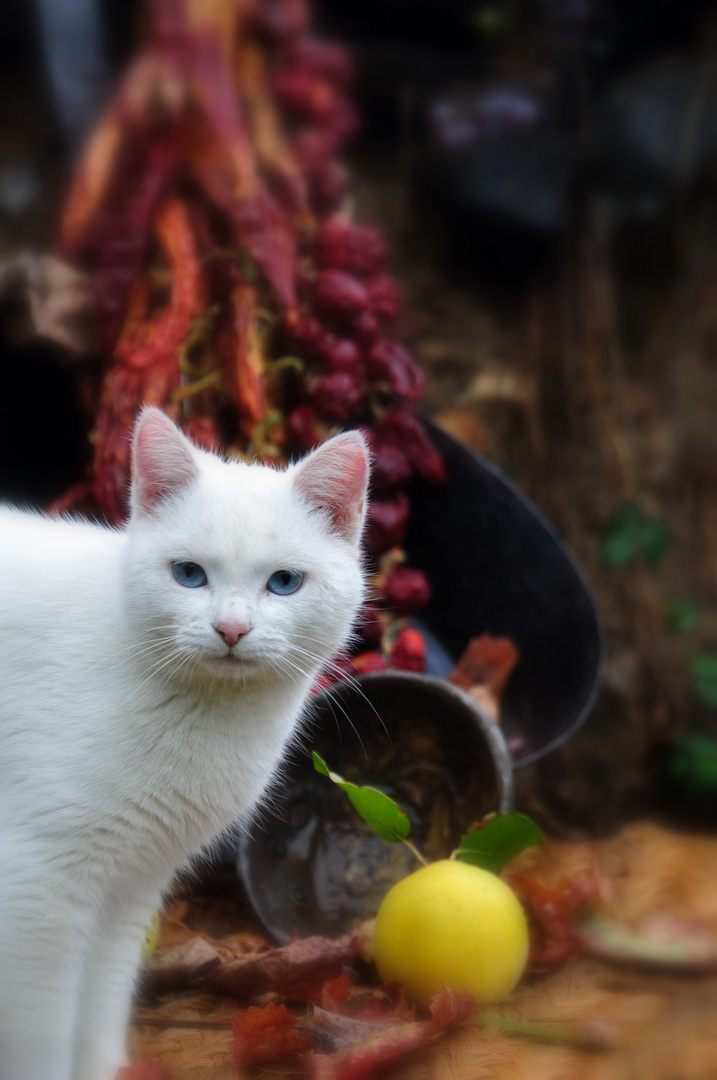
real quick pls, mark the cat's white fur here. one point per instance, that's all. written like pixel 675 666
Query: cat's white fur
pixel 131 733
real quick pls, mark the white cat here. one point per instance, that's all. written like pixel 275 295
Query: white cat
pixel 149 681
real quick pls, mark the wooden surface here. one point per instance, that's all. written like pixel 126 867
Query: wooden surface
pixel 664 1026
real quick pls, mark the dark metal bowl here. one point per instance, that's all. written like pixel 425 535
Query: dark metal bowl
pixel 496 566
pixel 310 864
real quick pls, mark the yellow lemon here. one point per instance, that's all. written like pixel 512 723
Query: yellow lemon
pixel 451 924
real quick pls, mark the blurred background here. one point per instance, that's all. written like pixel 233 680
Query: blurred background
pixel 545 175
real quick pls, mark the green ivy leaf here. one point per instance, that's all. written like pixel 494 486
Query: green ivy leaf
pixel 619 545
pixel 693 764
pixel 682 615
pixel 497 840
pixel 704 677
pixel 631 534
pixel 655 541
pixel 376 808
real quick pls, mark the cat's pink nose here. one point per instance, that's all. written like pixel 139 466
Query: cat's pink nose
pixel 230 632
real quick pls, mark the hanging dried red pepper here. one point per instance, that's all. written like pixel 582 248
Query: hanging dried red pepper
pixel 154 340
pixel 213 166
pixel 248 363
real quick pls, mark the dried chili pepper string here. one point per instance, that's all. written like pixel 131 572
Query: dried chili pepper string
pixel 196 152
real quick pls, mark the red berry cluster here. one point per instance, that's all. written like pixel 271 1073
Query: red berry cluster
pixel 355 376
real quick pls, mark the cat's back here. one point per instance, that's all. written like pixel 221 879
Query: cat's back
pixel 39 545
pixel 51 567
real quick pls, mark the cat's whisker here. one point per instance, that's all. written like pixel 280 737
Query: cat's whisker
pixel 330 694
pixel 343 676
pixel 352 681
pixel 146 644
pixel 146 650
pixel 165 663
pixel 291 668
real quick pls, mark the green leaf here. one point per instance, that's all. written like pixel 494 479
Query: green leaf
pixel 682 615
pixel 376 808
pixel 631 534
pixel 704 677
pixel 498 840
pixel 655 541
pixel 619 545
pixel 693 764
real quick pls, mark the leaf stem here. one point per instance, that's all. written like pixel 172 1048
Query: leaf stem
pixel 414 851
pixel 588 1035
pixel 536 1029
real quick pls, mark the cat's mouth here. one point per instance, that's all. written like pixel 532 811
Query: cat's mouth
pixel 230 658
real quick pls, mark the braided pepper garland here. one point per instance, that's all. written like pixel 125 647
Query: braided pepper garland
pixel 230 290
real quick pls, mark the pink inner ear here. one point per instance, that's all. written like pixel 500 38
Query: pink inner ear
pixel 334 479
pixel 162 460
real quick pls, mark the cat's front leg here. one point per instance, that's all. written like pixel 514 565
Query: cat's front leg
pixel 110 978
pixel 42 940
pixel 37 1019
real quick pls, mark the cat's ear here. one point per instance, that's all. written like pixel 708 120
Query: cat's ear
pixel 163 461
pixel 334 479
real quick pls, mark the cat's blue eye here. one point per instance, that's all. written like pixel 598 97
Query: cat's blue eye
pixel 285 582
pixel 189 574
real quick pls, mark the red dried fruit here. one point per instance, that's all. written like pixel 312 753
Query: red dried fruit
pixel 401 427
pixel 314 149
pixel 279 20
pixel 331 62
pixel 391 468
pixel 384 297
pixel 386 523
pixel 366 328
pixel 327 186
pixel 341 121
pixel 390 362
pixel 305 336
pixel 341 354
pixel 202 430
pixel 268 1034
pixel 302 92
pixel 358 248
pixel 339 293
pixel 339 394
pixel 304 428
pixel 369 624
pixel 367 662
pixel 406 590
pixel 409 651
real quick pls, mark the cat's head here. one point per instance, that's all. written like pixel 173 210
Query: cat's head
pixel 236 570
